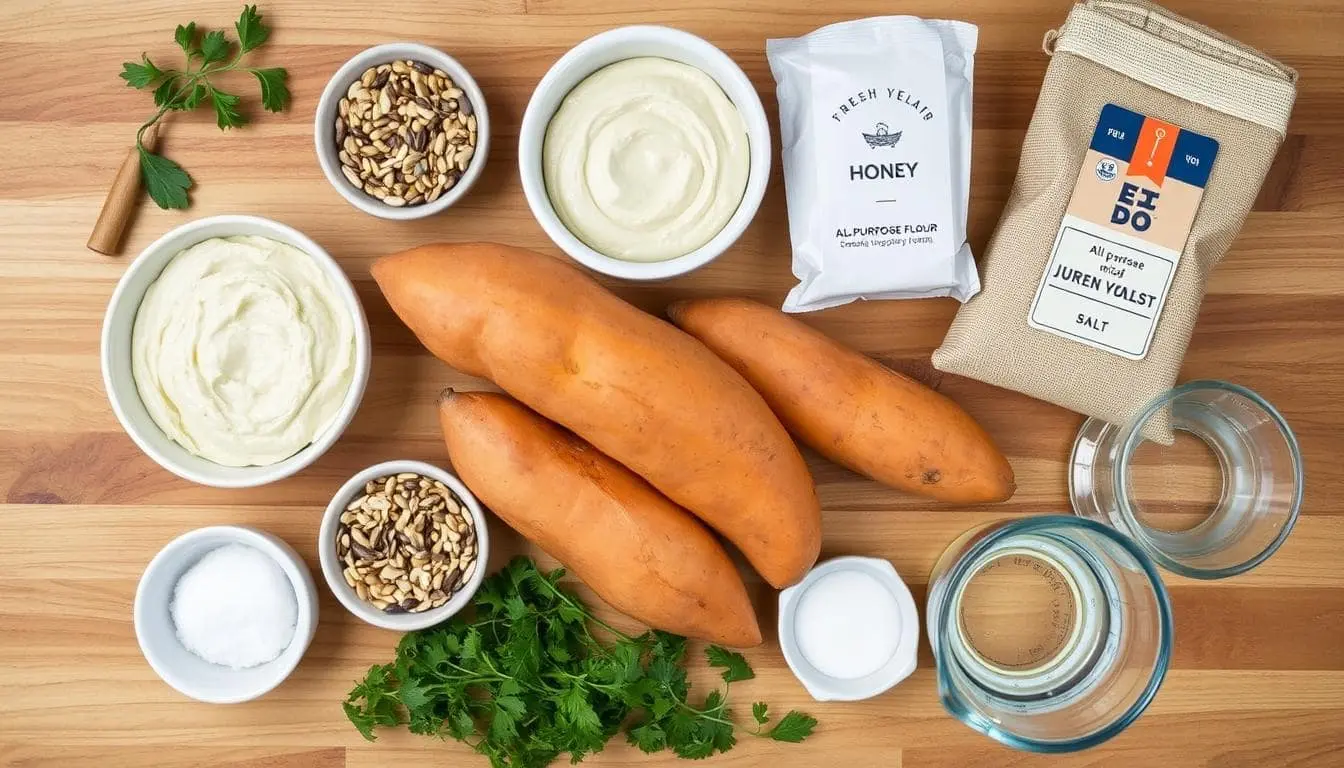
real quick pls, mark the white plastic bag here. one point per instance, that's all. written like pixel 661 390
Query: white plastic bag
pixel 875 116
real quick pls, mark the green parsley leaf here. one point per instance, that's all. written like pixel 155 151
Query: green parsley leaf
pixel 760 712
pixel 170 94
pixel 526 680
pixel 251 32
pixel 274 93
pixel 795 727
pixel 186 39
pixel 191 87
pixel 226 109
pixel 197 95
pixel 370 705
pixel 733 664
pixel 165 180
pixel 214 47
pixel 576 708
pixel 413 694
pixel 461 725
pixel 648 737
pixel 504 722
pixel 141 75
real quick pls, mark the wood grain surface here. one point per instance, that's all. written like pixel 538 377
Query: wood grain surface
pixel 1258 678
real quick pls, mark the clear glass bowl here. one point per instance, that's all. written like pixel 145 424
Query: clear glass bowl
pixel 1057 674
pixel 1245 516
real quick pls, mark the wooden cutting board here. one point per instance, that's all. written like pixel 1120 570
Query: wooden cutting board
pixel 1258 678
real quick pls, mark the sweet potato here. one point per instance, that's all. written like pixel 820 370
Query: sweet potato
pixel 638 389
pixel 642 554
pixel 849 408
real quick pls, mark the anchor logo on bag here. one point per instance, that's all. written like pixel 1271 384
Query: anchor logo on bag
pixel 881 137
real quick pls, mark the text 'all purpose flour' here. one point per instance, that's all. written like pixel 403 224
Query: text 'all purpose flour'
pixel 875 116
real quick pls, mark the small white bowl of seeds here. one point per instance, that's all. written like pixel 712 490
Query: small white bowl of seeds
pixel 404 545
pixel 402 131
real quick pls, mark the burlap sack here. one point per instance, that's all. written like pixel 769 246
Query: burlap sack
pixel 1149 60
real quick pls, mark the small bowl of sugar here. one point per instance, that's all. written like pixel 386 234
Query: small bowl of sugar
pixel 223 614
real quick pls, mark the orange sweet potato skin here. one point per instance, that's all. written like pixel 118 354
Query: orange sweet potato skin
pixel 851 409
pixel 632 385
pixel 642 554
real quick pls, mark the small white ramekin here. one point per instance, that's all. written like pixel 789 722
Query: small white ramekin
pixel 189 674
pixel 119 381
pixel 608 48
pixel 324 127
pixel 333 568
pixel 899 666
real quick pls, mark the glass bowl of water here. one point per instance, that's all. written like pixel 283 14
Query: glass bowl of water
pixel 1217 502
pixel 1051 634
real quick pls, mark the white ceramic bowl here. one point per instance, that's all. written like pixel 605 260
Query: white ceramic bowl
pixel 608 48
pixel 899 666
pixel 119 381
pixel 184 671
pixel 333 568
pixel 324 127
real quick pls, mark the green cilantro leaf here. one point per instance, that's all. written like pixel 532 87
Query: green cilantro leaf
pixel 274 92
pixel 794 727
pixel 214 47
pixel 251 32
pixel 141 75
pixel 760 712
pixel 165 180
pixel 733 664
pixel 186 39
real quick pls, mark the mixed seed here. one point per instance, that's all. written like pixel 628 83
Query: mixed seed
pixel 405 133
pixel 408 543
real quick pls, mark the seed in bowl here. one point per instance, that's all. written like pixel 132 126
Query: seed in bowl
pixel 407 542
pixel 405 133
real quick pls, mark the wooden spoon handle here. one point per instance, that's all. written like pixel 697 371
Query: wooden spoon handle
pixel 121 199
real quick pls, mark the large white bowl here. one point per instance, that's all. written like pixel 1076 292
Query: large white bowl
pixel 608 48
pixel 333 568
pixel 188 673
pixel 119 381
pixel 324 127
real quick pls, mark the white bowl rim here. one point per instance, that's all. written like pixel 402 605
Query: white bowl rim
pixel 326 109
pixel 531 139
pixel 332 572
pixel 252 476
pixel 305 597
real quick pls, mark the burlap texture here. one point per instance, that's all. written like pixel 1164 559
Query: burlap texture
pixel 1198 71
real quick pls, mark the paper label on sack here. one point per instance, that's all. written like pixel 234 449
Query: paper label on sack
pixel 1121 239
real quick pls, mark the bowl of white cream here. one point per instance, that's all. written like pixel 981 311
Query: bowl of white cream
pixel 234 351
pixel 644 152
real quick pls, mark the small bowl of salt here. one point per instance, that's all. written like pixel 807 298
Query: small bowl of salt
pixel 223 614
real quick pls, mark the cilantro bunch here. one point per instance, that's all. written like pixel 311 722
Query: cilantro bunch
pixel 526 680
pixel 187 88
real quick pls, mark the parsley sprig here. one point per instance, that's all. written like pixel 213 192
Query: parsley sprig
pixel 526 680
pixel 190 87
